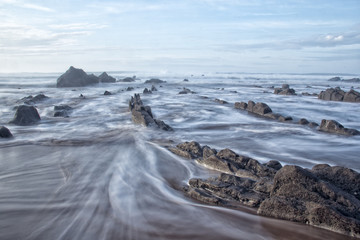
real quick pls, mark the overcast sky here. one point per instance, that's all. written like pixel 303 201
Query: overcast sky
pixel 298 36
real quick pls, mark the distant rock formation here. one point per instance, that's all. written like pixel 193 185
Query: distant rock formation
pixel 142 114
pixel 127 79
pixel 325 197
pixel 284 90
pixel 105 78
pixel 5 132
pixel 186 91
pixel 336 94
pixel 338 79
pixel 155 81
pixel 333 126
pixel 335 79
pixel 75 77
pixel 26 115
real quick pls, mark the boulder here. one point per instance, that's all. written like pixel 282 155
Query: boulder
pixel 105 78
pixel 354 80
pixel 186 80
pixel 303 121
pixel 107 93
pixel 26 115
pixel 336 94
pixel 221 101
pixel 155 81
pixel 153 88
pixel 147 91
pixel 62 111
pixel 352 96
pixel 75 77
pixel 284 90
pixel 186 91
pixel 5 132
pixel 333 126
pixel 241 105
pixel 129 88
pixel 261 108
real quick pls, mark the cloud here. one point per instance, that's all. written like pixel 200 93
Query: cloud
pixel 21 4
pixel 78 26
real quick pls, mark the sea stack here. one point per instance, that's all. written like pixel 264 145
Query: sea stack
pixel 75 77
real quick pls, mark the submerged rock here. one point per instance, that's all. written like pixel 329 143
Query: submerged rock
pixel 155 81
pixel 62 111
pixel 30 100
pixel 5 132
pixel 221 101
pixel 26 115
pixel 142 114
pixel 75 77
pixel 186 91
pixel 107 93
pixel 105 78
pixel 333 126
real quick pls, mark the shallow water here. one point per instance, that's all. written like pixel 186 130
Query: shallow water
pixel 96 175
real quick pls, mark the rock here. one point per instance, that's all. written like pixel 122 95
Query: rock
pixel 186 80
pixel 5 132
pixel 105 78
pixel 74 77
pixel 333 126
pixel 26 115
pixel 129 89
pixel 153 88
pixel 250 106
pixel 335 79
pixel 193 148
pixel 274 164
pixel 261 108
pixel 285 119
pixel 155 81
pixel 352 96
pixel 186 91
pixel 241 105
pixel 142 114
pixel 107 93
pixel 127 79
pixel 313 124
pixel 303 121
pixel 284 90
pixel 299 195
pixel 62 111
pixel 30 100
pixel 221 101
pixel 147 91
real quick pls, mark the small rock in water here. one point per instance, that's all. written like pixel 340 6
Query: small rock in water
pixel 26 115
pixel 105 78
pixel 107 93
pixel 333 126
pixel 147 91
pixel 5 132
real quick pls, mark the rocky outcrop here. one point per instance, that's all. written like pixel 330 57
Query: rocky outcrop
pixel 106 93
pixel 155 81
pixel 336 94
pixel 105 78
pixel 142 114
pixel 153 88
pixel 30 100
pixel 26 115
pixel 338 79
pixel 62 111
pixel 147 91
pixel 221 101
pixel 326 197
pixel 284 90
pixel 333 126
pixel 75 77
pixel 129 88
pixel 5 132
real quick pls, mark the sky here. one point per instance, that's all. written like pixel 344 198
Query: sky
pixel 258 36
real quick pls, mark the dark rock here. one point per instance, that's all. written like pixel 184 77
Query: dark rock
pixel 155 81
pixel 241 105
pixel 26 115
pixel 74 77
pixel 250 106
pixel 129 89
pixel 186 80
pixel 107 93
pixel 285 119
pixel 313 124
pixel 105 78
pixel 355 80
pixel 274 116
pixel 274 164
pixel 284 90
pixel 335 79
pixel 332 94
pixel 186 91
pixel 5 132
pixel 142 114
pixel 147 91
pixel 303 121
pixel 62 111
pixel 261 108
pixel 299 195
pixel 333 126
pixel 193 148
pixel 127 79
pixel 30 100
pixel 221 101
pixel 153 88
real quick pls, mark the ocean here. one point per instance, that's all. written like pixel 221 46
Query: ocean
pixel 97 175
